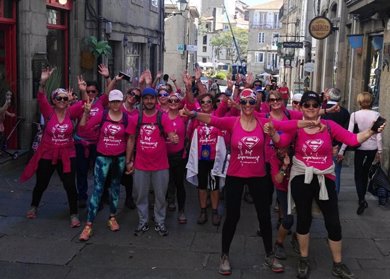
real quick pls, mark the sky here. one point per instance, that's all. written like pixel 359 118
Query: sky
pixel 254 2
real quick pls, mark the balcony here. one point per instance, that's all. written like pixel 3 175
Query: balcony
pixel 366 8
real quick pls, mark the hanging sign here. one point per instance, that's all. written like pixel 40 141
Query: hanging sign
pixel 320 27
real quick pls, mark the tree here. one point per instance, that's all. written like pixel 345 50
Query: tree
pixel 224 40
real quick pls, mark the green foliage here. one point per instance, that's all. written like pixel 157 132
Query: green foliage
pixel 224 40
pixel 98 48
pixel 53 82
pixel 220 75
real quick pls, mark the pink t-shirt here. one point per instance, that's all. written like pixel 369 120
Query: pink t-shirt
pixel 112 136
pixel 179 127
pixel 92 134
pixel 284 92
pixel 316 150
pixel 151 149
pixel 276 163
pixel 247 148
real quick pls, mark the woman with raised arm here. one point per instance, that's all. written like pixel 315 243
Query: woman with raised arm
pixel 56 150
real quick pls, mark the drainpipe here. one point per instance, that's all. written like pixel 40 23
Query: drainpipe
pixel 351 67
pixel 99 35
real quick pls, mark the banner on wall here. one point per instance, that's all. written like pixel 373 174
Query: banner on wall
pixel 377 42
pixel 356 41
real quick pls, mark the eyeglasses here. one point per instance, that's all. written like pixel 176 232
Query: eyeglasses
pixel 206 102
pixel 251 102
pixel 313 105
pixel 59 98
pixel 91 91
pixel 218 101
pixel 133 94
pixel 272 100
pixel 173 101
pixel 163 94
pixel 295 102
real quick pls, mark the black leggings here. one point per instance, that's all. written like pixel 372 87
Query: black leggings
pixel 176 178
pixel 362 163
pixel 260 190
pixel 303 195
pixel 45 171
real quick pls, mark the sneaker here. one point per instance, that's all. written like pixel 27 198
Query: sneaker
pixel 362 206
pixel 171 206
pixel 74 221
pixel 32 213
pixel 182 218
pixel 279 251
pixel 295 243
pixel 202 217
pixel 141 229
pixel 340 270
pixel 303 268
pixel 82 203
pixel 113 224
pixel 161 229
pixel 224 266
pixel 216 218
pixel 86 233
pixel 273 263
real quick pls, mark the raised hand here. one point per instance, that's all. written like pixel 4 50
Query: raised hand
pixel 187 80
pixel 148 77
pixel 173 78
pixel 103 71
pixel 87 106
pixel 159 74
pixel 250 78
pixel 198 73
pixel 46 73
pixel 69 91
pixel 81 83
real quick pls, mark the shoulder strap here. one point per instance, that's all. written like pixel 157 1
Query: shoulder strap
pixel 125 119
pixel 159 124
pixel 104 118
pixel 287 113
pixel 267 115
pixel 139 123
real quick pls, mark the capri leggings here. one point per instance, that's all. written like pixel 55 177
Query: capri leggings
pixel 303 195
pixel 204 175
pixel 288 219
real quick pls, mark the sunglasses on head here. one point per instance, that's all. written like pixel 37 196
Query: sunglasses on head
pixel 295 102
pixel 59 98
pixel 174 101
pixel 91 91
pixel 313 105
pixel 163 94
pixel 133 94
pixel 206 102
pixel 272 100
pixel 251 102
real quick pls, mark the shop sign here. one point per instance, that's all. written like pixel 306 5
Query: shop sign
pixel 320 27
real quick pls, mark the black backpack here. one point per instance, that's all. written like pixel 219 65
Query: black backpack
pixel 158 123
pixel 124 120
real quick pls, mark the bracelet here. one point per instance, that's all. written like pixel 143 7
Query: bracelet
pixel 195 114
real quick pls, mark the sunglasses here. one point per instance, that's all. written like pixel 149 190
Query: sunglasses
pixel 272 100
pixel 314 105
pixel 59 98
pixel 206 102
pixel 164 94
pixel 295 102
pixel 91 91
pixel 251 102
pixel 173 101
pixel 133 94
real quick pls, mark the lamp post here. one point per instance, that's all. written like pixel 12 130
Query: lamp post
pixel 181 5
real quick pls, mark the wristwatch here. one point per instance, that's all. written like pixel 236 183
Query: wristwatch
pixel 283 171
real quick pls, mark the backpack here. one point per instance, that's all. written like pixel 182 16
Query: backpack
pixel 158 123
pixel 286 112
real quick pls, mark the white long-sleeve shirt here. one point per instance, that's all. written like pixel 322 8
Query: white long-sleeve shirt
pixel 365 118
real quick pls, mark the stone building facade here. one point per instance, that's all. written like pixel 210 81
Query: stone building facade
pixel 55 32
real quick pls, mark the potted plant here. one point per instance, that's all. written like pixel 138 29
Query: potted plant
pixel 95 50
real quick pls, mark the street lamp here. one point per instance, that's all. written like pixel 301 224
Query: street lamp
pixel 181 5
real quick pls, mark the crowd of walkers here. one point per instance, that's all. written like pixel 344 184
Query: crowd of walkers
pixel 241 141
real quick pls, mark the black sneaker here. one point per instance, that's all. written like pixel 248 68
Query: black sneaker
pixel 362 206
pixel 303 268
pixel 141 229
pixel 161 229
pixel 273 263
pixel 340 270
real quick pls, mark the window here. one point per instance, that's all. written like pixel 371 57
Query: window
pixel 259 18
pixel 205 39
pixel 154 5
pixel 275 38
pixel 226 27
pixel 272 60
pixel 259 57
pixel 204 59
pixel 204 49
pixel 133 59
pixel 276 21
pixel 261 37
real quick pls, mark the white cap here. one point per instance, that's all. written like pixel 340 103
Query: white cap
pixel 115 95
pixel 297 97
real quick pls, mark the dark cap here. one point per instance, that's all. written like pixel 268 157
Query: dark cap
pixel 149 91
pixel 310 95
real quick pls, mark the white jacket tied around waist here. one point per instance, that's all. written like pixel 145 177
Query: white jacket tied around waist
pixel 299 168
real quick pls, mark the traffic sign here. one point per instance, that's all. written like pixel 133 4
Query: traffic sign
pixel 192 48
pixel 293 44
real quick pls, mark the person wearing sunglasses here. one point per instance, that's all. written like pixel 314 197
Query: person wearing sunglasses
pixel 295 100
pixel 312 178
pixel 203 152
pixel 163 95
pixel 246 167
pixel 56 150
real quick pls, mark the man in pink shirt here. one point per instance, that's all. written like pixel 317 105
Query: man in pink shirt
pixel 150 163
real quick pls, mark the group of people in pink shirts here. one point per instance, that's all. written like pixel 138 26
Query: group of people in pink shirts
pixel 221 144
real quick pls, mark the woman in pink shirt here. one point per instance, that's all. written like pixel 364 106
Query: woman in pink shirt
pixel 312 178
pixel 246 167
pixel 56 150
pixel 111 149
